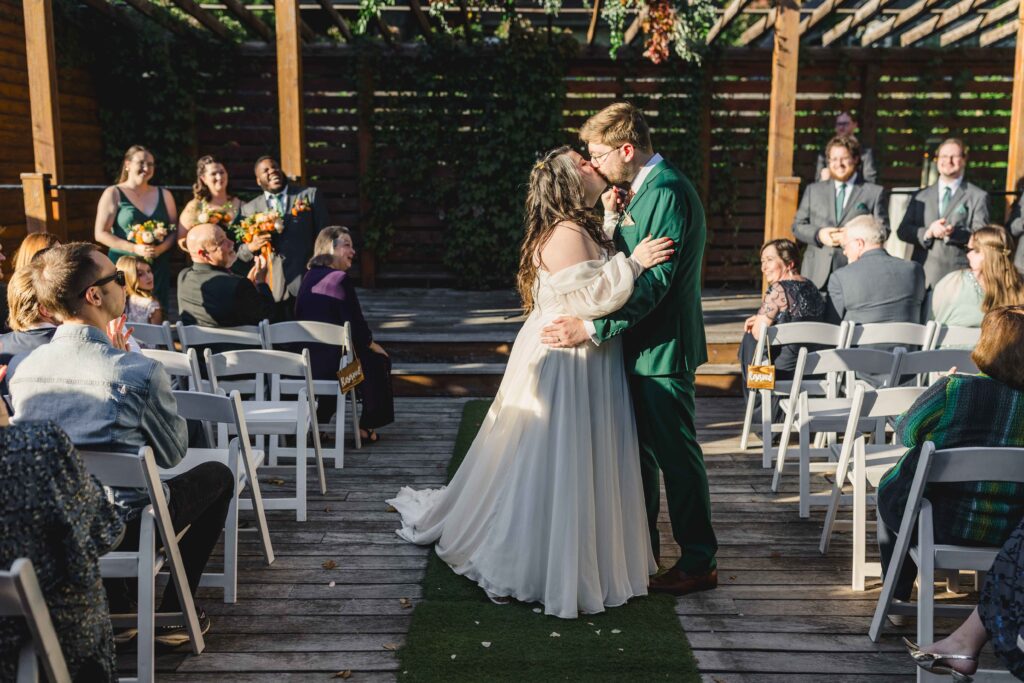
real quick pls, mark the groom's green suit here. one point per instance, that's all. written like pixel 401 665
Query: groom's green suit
pixel 663 341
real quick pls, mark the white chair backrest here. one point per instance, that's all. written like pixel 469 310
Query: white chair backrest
pixel 865 361
pixel 955 336
pixel 124 470
pixel 178 364
pixel 20 596
pixel 197 335
pixel 248 362
pixel 889 402
pixel 954 465
pixel 214 409
pixel 937 360
pixel 154 336
pixel 306 332
pixel 812 333
pixel 911 334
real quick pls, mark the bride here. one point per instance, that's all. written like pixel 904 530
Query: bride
pixel 548 505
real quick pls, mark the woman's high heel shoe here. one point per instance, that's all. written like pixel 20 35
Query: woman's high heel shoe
pixel 930 661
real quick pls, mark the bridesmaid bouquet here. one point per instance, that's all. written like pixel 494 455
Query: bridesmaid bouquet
pixel 266 223
pixel 218 215
pixel 150 232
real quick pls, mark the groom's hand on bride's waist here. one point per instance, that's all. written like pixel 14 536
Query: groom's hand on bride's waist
pixel 564 332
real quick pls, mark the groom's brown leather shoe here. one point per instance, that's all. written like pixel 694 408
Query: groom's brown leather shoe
pixel 677 582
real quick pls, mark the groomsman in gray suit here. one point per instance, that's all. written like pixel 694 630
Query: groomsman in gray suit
pixel 828 205
pixel 1016 228
pixel 941 217
pixel 304 212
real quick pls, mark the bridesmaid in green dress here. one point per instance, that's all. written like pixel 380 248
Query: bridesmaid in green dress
pixel 210 194
pixel 130 202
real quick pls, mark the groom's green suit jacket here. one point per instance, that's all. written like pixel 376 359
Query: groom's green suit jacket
pixel 663 316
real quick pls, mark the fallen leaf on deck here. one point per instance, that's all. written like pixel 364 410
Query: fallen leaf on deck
pixel 330 585
pixel 485 644
pixel 391 508
pixel 274 482
pixel 327 509
pixel 343 674
pixel 329 564
pixel 406 603
pixel 391 646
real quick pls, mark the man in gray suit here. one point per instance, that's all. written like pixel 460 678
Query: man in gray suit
pixel 304 212
pixel 846 125
pixel 875 287
pixel 1016 228
pixel 828 205
pixel 941 217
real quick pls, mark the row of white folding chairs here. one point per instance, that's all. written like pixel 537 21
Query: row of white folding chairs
pixel 947 466
pixel 845 335
pixel 22 598
pixel 812 415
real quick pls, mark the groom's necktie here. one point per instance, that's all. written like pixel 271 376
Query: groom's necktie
pixel 277 203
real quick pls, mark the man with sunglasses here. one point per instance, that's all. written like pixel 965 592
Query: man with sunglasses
pixel 106 398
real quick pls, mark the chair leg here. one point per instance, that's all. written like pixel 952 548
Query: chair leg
pixel 766 429
pixel 860 522
pixel 355 420
pixel 146 597
pixel 805 472
pixel 339 432
pixel 300 473
pixel 925 595
pixel 231 548
pixel 780 458
pixel 257 507
pixel 748 418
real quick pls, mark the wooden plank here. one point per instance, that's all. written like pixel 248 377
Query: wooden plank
pixel 422 20
pixel 993 36
pixel 864 13
pixel 758 28
pixel 159 16
pixel 1015 158
pixel 732 10
pixel 883 29
pixel 971 27
pixel 47 146
pixel 933 23
pixel 249 20
pixel 337 19
pixel 289 89
pixel 210 22
pixel 782 107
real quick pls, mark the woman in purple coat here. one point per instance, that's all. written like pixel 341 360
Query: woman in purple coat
pixel 327 295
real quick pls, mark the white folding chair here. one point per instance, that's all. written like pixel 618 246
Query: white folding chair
pixel 925 364
pixel 295 417
pixel 903 334
pixel 138 470
pixel 823 415
pixel 247 336
pixel 798 333
pixel 153 336
pixel 309 332
pixel 955 337
pixel 20 596
pixel 180 366
pixel 947 466
pixel 870 462
pixel 243 462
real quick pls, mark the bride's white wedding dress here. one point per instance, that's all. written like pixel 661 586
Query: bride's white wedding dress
pixel 548 504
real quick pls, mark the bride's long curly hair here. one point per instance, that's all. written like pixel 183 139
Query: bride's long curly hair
pixel 555 195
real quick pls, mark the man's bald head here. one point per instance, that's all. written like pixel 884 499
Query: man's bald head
pixel 207 243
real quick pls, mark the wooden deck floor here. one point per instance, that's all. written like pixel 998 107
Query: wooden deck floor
pixel 782 612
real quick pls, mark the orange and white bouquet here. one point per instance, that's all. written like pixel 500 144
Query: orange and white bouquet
pixel 150 232
pixel 218 215
pixel 265 223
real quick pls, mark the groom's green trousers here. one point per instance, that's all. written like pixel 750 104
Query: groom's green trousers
pixel 664 407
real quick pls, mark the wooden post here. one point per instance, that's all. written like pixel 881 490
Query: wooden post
pixel 782 109
pixel 46 137
pixel 289 89
pixel 1015 164
pixel 364 145
pixel 706 97
pixel 785 201
pixel 38 207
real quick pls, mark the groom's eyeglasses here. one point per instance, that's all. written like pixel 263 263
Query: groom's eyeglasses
pixel 598 159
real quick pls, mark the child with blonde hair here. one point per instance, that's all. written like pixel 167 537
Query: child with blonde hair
pixel 140 306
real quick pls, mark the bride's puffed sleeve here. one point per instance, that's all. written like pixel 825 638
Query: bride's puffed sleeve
pixel 593 289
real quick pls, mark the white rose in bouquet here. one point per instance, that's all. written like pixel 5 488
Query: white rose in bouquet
pixel 203 217
pixel 148 237
pixel 279 225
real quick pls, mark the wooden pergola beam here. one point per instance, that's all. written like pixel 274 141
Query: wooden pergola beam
pixel 44 103
pixel 422 20
pixel 861 15
pixel 307 33
pixel 732 10
pixel 977 23
pixel 249 20
pixel 337 20
pixel 210 22
pixel 883 29
pixel 1015 160
pixel 592 28
pixel 289 88
pixel 782 108
pixel 937 21
pixel 385 30
pixel 993 36
pixel 160 17
pixel 819 13
pixel 758 28
pixel 634 28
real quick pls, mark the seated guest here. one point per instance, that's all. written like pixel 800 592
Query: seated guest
pixel 209 294
pixel 999 617
pixel 964 296
pixel 31 326
pixel 328 295
pixel 790 298
pixel 33 243
pixel 4 326
pixel 941 217
pixel 1015 226
pixel 827 206
pixel 963 410
pixel 141 307
pixel 107 399
pixel 846 125
pixel 875 287
pixel 57 516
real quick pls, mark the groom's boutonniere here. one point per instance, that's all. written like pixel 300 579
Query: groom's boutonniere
pixel 301 205
pixel 627 220
pixel 861 206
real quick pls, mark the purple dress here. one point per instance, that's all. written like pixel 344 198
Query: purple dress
pixel 328 296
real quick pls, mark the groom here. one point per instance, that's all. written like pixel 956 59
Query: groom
pixel 663 337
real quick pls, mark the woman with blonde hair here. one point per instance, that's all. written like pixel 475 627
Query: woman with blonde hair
pixel 990 281
pixel 139 304
pixel 548 505
pixel 133 201
pixel 33 243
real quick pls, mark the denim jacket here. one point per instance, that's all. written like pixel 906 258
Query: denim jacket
pixel 103 398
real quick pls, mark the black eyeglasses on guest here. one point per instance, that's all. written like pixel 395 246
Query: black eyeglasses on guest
pixel 117 277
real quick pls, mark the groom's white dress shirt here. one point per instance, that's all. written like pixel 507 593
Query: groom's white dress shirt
pixel 611 219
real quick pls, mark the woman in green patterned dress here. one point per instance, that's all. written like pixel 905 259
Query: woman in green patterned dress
pixel 133 201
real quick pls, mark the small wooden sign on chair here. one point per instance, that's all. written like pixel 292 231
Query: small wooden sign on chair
pixel 350 376
pixel 762 376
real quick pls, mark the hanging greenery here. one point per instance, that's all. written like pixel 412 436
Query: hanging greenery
pixel 670 25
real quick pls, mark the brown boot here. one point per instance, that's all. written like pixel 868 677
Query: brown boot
pixel 677 582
